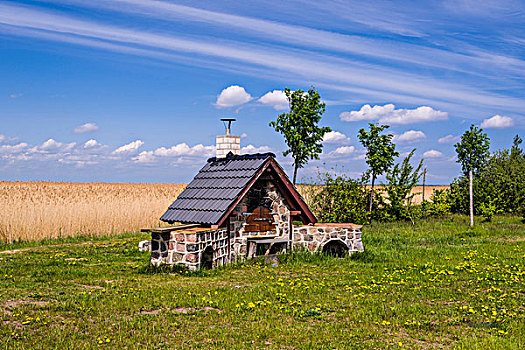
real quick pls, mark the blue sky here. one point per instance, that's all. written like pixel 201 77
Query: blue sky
pixel 132 90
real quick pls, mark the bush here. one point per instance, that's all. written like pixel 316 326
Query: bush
pixel 340 199
pixel 439 205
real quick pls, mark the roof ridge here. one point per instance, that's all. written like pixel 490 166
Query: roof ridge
pixel 231 156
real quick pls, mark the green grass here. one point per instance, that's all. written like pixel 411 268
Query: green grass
pixel 436 284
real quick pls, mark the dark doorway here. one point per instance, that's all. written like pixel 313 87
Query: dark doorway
pixel 207 258
pixel 337 249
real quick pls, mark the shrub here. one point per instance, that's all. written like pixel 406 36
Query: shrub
pixel 340 199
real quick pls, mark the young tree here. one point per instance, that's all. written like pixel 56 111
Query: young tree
pixel 299 127
pixel 380 153
pixel 400 180
pixel 473 153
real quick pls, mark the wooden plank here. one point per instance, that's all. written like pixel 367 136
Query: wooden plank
pixel 169 228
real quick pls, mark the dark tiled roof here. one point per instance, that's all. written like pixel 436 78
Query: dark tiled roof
pixel 207 198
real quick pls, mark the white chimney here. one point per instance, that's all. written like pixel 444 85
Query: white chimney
pixel 228 143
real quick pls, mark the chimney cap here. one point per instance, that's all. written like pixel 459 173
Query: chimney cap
pixel 229 121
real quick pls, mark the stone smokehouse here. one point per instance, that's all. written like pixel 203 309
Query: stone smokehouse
pixel 239 207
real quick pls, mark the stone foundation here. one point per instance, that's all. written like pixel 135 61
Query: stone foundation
pixel 188 247
pixel 316 237
pixel 202 247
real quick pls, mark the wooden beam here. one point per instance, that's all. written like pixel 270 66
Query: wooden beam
pixel 169 228
pixel 307 213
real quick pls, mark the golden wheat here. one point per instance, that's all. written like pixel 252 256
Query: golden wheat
pixel 38 210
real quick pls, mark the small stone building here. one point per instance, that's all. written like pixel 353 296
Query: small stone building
pixel 239 207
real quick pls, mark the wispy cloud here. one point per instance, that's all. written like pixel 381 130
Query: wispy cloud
pixel 339 72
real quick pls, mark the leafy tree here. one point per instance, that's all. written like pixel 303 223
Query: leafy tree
pixel 380 153
pixel 299 127
pixel 473 153
pixel 401 179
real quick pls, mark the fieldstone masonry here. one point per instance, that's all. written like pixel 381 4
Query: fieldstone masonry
pixel 188 247
pixel 316 237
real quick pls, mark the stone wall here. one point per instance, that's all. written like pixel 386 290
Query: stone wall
pixel 187 247
pixel 316 237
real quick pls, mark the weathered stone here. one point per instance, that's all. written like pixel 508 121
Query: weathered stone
pixel 171 245
pixel 181 247
pixel 328 230
pixel 191 257
pixel 308 238
pixel 155 236
pixel 179 237
pixel 350 235
pixel 312 246
pixel 192 247
pixel 302 231
pixel 176 257
pixel 191 237
pixel 155 255
pixel 165 236
pixel 320 230
pixel 282 210
pixel 243 249
pixel 357 235
pixel 164 254
pixel 334 235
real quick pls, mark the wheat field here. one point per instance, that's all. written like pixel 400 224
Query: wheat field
pixel 39 210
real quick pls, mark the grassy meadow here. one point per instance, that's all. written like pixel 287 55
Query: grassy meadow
pixel 436 284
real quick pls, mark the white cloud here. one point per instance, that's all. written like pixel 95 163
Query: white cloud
pixel 497 122
pixel 234 95
pixel 253 149
pixel 390 115
pixel 10 149
pixel 52 146
pixel 367 113
pixel 335 137
pixel 449 139
pixel 2 138
pixel 130 147
pixel 145 157
pixel 411 136
pixel 91 143
pixel 276 99
pixel 244 135
pixel 344 150
pixel 88 127
pixel 13 96
pixel 182 149
pixel 432 154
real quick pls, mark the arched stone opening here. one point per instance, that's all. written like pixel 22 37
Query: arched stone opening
pixel 207 258
pixel 335 248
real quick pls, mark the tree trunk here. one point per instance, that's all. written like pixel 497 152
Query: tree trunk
pixel 471 199
pixel 371 198
pixel 424 178
pixel 294 173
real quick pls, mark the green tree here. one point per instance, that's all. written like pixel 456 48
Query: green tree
pixel 300 127
pixel 473 153
pixel 401 179
pixel 380 153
